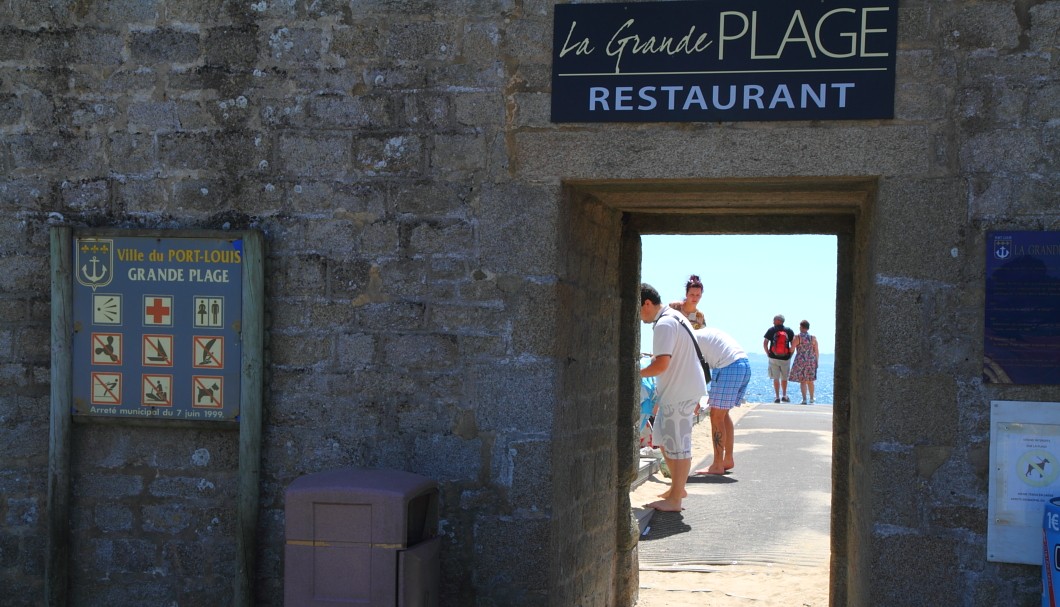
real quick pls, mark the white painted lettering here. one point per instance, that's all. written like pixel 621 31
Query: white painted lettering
pixel 753 92
pixel 853 37
pixel 808 92
pixel 736 25
pixel 672 98
pixel 782 95
pixel 805 37
pixel 723 35
pixel 598 95
pixel 671 92
pixel 156 274
pixel 842 86
pixel 865 31
pixel 648 98
pixel 695 95
pixel 579 48
pixel 613 51
pixel 732 98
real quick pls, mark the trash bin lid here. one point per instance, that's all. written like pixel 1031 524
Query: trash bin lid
pixel 357 505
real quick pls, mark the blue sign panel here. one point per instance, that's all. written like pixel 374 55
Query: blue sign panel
pixel 157 327
pixel 1022 327
pixel 724 60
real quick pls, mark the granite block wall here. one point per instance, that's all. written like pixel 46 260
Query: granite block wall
pixel 440 300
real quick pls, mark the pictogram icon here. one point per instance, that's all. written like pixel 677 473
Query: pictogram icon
pixel 208 391
pixel 209 352
pixel 106 348
pixel 158 310
pixel 158 351
pixel 106 309
pixel 209 312
pixel 157 390
pixel 106 388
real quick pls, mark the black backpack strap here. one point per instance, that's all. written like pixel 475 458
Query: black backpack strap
pixel 699 353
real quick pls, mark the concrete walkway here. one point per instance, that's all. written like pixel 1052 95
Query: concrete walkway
pixel 772 508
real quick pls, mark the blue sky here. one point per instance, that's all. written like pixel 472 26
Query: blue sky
pixel 747 280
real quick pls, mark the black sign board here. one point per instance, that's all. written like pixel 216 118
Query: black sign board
pixel 1022 324
pixel 724 60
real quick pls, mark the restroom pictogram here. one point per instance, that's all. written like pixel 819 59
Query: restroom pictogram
pixel 208 312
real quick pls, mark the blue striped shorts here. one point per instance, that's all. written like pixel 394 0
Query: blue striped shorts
pixel 728 385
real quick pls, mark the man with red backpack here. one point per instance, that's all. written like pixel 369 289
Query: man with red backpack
pixel 777 345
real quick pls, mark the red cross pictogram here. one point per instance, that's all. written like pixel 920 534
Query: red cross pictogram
pixel 158 311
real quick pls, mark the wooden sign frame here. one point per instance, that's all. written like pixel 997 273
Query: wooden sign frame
pixel 249 423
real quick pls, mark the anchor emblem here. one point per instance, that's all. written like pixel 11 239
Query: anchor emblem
pixel 94 261
pixel 1002 247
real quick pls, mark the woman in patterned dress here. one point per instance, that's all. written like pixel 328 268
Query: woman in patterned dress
pixel 693 293
pixel 804 368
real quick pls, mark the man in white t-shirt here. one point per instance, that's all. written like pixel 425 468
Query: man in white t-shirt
pixel 679 386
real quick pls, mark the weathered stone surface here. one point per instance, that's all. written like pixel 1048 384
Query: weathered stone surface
pixel 430 277
pixel 912 580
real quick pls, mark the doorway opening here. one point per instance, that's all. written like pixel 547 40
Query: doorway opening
pixel 761 530
pixel 624 211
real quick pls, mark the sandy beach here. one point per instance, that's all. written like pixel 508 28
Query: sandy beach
pixel 738 585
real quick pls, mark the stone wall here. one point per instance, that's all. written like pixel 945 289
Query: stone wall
pixel 588 510
pixel 439 300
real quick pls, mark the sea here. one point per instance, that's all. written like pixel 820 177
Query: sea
pixel 760 390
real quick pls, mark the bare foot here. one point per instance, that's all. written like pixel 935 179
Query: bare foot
pixel 665 506
pixel 711 470
pixel 666 494
pixel 729 464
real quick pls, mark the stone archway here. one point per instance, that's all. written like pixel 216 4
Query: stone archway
pixel 603 213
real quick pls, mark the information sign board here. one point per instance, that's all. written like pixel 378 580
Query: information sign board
pixel 157 324
pixel 1024 476
pixel 1022 308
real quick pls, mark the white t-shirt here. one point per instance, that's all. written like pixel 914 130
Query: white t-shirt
pixel 718 347
pixel 683 379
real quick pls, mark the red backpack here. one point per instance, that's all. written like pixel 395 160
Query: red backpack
pixel 780 346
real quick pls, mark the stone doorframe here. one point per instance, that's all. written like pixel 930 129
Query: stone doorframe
pixel 842 206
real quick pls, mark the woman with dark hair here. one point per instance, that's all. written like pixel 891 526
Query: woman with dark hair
pixel 687 306
pixel 804 369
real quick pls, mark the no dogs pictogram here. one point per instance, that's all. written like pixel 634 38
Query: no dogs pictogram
pixel 106 388
pixel 209 352
pixel 208 391
pixel 157 391
pixel 106 349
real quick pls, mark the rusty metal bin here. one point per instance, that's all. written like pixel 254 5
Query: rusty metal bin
pixel 361 537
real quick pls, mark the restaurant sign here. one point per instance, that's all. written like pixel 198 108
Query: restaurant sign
pixel 724 60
